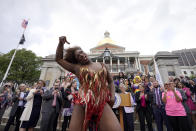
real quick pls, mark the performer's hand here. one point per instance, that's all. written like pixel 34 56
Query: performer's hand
pixel 63 39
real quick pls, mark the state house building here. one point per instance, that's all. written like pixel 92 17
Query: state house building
pixel 117 59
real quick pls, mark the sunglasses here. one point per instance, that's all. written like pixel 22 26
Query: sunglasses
pixel 7 86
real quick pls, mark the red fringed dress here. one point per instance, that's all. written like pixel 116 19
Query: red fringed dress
pixel 93 94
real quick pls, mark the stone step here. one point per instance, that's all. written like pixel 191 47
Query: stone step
pixel 2 126
pixel 6 115
pixel 4 120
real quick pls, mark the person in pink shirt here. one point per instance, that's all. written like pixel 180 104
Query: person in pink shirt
pixel 189 102
pixel 174 109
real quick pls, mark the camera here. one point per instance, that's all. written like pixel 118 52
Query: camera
pixel 38 88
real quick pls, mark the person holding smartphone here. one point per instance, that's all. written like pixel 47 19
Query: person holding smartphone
pixel 31 113
pixel 175 111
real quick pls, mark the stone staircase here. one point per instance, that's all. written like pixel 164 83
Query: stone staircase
pixel 6 114
pixel 4 120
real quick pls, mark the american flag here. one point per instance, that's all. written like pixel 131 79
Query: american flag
pixel 24 24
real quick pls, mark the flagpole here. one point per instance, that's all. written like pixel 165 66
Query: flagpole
pixel 5 76
pixel 24 30
pixel 6 73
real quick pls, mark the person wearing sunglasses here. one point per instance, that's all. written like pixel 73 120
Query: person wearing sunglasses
pixel 5 99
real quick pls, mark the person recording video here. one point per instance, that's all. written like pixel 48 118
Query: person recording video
pixel 52 101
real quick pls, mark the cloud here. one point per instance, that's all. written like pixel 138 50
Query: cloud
pixel 144 26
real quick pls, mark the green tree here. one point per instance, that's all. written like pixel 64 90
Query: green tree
pixel 26 67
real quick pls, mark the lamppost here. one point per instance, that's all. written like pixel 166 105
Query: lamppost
pixel 106 54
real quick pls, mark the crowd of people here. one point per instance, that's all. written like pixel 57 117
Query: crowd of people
pixel 85 100
pixel 31 104
pixel 172 105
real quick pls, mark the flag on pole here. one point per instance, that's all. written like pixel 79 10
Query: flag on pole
pixel 24 24
pixel 157 74
pixel 22 40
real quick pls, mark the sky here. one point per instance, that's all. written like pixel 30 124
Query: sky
pixel 147 26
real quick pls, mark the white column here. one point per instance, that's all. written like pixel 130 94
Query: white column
pixel 111 63
pixel 139 65
pixel 136 63
pixel 103 60
pixel 43 73
pixel 118 63
pixel 125 63
pixel 128 62
pixel 96 60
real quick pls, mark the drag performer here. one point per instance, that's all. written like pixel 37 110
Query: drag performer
pixel 96 91
pixel 137 80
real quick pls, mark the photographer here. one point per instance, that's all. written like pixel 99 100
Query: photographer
pixel 68 103
pixel 31 113
pixel 52 101
pixel 19 101
pixel 5 99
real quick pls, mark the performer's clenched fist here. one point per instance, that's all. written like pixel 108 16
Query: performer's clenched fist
pixel 63 39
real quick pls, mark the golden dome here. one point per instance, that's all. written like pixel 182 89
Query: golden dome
pixel 106 40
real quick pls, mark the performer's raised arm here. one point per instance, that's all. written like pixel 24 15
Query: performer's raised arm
pixel 95 93
pixel 59 56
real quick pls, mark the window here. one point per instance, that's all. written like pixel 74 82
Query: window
pixel 122 69
pixel 190 58
pixel 171 73
pixel 185 72
pixel 184 59
pixel 180 59
pixel 150 69
pixel 114 68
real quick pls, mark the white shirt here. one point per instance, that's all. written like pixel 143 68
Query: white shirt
pixel 21 101
pixel 130 109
